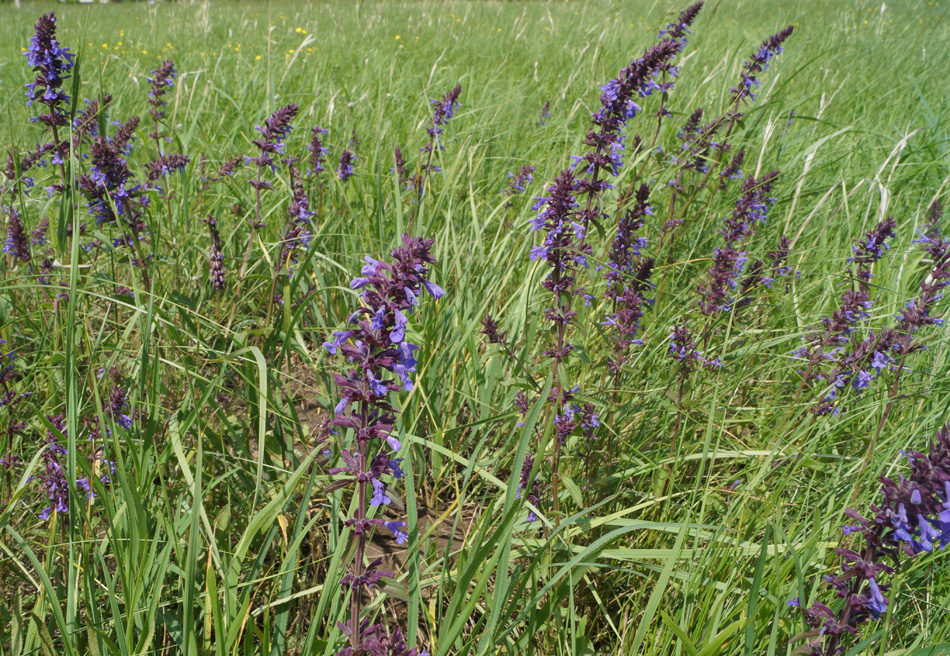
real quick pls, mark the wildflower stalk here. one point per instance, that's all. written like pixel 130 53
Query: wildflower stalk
pixel 913 518
pixel 376 348
pixel 164 77
pixel 275 130
pixel 443 111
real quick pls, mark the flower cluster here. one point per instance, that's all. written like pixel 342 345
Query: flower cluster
pixel 17 245
pixel 732 170
pixel 271 142
pixel 530 485
pixel 382 360
pixel 677 32
pixel 696 143
pixel 109 188
pixel 318 152
pixel 872 248
pixel 165 165
pixel 407 179
pixel 164 78
pixel 683 350
pixel 345 169
pixel 628 278
pixel 518 181
pixel 876 352
pixel 52 64
pixel 679 29
pixel 914 517
pixel 53 476
pixel 719 293
pixel 86 123
pixel 618 106
pixel 298 235
pixel 759 63
pixel 491 332
pixel 216 256
pixel 442 112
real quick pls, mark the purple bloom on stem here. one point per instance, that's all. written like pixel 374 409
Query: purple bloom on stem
pixel 17 243
pixel 887 535
pixel 164 78
pixel 443 111
pixel 758 64
pixel 396 528
pixel 318 152
pixel 216 257
pixel 52 64
pixel 379 494
pixel 518 181
pixel 872 248
pixel 345 170
pixel 380 360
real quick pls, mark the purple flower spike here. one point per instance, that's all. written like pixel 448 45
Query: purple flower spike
pixel 379 361
pixel 345 170
pixel 872 248
pixel 758 64
pixel 886 536
pixel 443 111
pixel 318 152
pixel 17 243
pixel 164 78
pixel 52 64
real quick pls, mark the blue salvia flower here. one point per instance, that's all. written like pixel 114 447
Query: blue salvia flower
pixel 109 182
pixel 618 106
pixel 720 291
pixel 318 152
pixel 914 517
pixel 872 248
pixel 381 361
pixel 443 110
pixel 758 64
pixel 164 78
pixel 276 128
pixel 545 113
pixel 17 245
pixel 407 180
pixel 867 361
pixel 680 28
pixel 822 348
pixel 628 277
pixel 530 486
pixel 345 170
pixel 52 64
pixel 166 165
pixel 118 404
pixel 930 235
pixel 53 477
pixel 683 350
pixel 86 123
pixel 298 235
pixel 518 181
pixel 732 171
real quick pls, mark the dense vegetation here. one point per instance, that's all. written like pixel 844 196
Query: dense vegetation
pixel 541 331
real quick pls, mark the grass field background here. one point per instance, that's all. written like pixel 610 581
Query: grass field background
pixel 217 535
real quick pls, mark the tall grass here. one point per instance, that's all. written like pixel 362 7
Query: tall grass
pixel 220 532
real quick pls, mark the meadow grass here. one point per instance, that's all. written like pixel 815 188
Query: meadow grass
pixel 218 533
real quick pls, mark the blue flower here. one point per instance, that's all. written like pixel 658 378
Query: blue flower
pixel 397 530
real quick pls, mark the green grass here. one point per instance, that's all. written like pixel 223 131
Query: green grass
pixel 217 534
